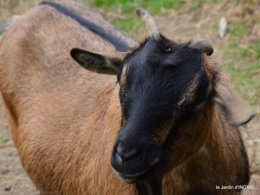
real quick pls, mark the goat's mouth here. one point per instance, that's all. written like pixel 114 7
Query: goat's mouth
pixel 130 178
pixel 136 177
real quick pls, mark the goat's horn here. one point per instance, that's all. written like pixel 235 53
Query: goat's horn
pixel 149 22
pixel 202 44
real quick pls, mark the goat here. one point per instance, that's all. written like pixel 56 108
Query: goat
pixel 7 23
pixel 172 129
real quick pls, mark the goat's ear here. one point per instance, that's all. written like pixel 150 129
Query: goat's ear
pixel 98 62
pixel 231 104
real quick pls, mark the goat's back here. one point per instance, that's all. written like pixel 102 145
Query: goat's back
pixel 53 105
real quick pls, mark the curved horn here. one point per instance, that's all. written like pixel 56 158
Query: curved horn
pixel 202 44
pixel 149 22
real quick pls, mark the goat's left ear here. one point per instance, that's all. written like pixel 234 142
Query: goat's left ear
pixel 231 104
pixel 98 62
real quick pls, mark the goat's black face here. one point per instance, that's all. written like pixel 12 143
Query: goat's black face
pixel 161 83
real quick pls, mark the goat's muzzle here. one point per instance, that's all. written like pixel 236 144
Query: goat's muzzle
pixel 133 160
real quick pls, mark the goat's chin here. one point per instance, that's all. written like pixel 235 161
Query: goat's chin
pixel 130 178
pixel 138 173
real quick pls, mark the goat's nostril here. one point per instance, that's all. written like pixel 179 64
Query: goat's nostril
pixel 127 153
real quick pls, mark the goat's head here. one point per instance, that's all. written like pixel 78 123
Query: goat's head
pixel 162 85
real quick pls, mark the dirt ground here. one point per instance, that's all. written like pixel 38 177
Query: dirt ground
pixel 181 26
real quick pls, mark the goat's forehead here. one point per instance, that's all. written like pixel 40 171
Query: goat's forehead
pixel 148 61
pixel 185 74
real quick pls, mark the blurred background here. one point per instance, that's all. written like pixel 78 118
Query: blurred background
pixel 233 27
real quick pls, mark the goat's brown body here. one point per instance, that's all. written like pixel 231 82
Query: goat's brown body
pixel 55 107
pixel 64 120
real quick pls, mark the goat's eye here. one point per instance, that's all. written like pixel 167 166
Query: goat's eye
pixel 168 49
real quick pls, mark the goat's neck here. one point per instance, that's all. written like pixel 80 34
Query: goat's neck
pixel 223 142
pixel 221 159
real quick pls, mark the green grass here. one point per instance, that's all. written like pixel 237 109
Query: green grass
pixel 128 24
pixel 245 78
pixel 257 49
pixel 5 138
pixel 129 6
pixel 237 30
pixel 195 4
pixel 242 64
pixel 152 5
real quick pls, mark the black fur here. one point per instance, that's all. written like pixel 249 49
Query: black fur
pixel 156 79
pixel 119 44
pixel 149 188
pixel 158 73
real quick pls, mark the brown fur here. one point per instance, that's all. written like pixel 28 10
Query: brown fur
pixel 215 157
pixel 64 120
pixel 51 107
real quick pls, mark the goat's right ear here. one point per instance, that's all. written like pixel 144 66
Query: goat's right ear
pixel 98 62
pixel 231 104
